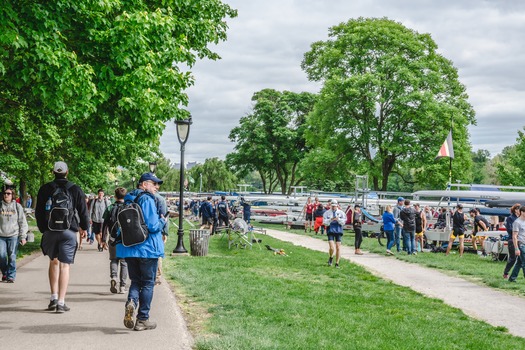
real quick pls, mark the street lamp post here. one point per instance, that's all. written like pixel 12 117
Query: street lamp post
pixel 183 130
pixel 152 167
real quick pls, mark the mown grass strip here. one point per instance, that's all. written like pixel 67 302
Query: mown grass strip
pixel 253 299
pixel 480 270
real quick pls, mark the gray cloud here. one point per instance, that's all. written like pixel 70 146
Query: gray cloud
pixel 266 43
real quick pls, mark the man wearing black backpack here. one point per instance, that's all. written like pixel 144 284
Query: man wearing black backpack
pixel 142 258
pixel 56 204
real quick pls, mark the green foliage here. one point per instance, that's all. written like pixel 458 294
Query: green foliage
pixel 387 102
pixel 271 139
pixel 215 176
pixel 510 165
pixel 93 82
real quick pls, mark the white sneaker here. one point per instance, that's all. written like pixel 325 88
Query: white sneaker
pixel 122 290
pixel 389 252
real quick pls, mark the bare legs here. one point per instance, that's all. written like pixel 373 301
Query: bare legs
pixel 58 278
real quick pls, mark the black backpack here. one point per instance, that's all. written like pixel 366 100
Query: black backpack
pixel 130 218
pixel 62 211
pixel 111 223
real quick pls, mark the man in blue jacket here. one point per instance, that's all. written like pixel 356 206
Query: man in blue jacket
pixel 143 258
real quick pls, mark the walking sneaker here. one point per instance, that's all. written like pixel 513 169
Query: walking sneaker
pixel 113 288
pixel 52 305
pixel 389 252
pixel 336 265
pixel 129 315
pixel 62 308
pixel 4 278
pixel 143 325
pixel 330 259
pixel 505 276
pixel 10 280
pixel 122 290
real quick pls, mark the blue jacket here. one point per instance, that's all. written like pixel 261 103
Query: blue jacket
pixel 388 221
pixel 152 247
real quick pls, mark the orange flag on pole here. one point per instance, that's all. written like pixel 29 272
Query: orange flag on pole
pixel 446 149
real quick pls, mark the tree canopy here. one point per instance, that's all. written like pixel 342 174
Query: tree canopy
pixel 93 82
pixel 271 139
pixel 387 102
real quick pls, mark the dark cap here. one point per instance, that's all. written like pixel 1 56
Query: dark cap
pixel 460 206
pixel 400 199
pixel 150 177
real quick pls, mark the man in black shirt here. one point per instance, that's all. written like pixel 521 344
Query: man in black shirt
pixel 60 246
pixel 458 229
pixel 223 212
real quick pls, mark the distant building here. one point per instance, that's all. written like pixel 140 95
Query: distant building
pixel 190 165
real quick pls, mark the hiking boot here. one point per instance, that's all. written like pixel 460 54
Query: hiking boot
pixel 113 288
pixel 62 308
pixel 330 259
pixel 52 305
pixel 122 290
pixel 143 325
pixel 129 315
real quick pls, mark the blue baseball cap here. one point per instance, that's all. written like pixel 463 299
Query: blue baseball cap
pixel 150 177
pixel 399 199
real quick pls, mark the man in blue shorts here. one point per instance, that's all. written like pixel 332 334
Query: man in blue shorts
pixel 334 219
pixel 60 246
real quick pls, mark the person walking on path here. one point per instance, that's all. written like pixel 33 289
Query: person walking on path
pixel 143 258
pixel 13 230
pixel 60 245
pixel 458 229
pixel 518 238
pixel 108 226
pixel 334 219
pixel 509 221
pixel 389 223
pixel 357 223
pixel 98 207
pixel 408 218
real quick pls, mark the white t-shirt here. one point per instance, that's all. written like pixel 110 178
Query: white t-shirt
pixel 519 226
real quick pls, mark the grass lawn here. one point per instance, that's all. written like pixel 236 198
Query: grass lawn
pixel 30 247
pixel 470 266
pixel 253 299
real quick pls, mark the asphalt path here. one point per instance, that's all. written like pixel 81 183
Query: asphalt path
pixel 95 320
pixel 495 307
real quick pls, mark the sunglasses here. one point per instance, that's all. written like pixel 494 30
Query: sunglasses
pixel 8 193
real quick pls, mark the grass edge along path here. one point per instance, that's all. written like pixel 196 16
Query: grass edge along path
pixel 253 299
pixel 482 271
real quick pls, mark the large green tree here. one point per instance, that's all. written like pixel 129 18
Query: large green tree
pixel 94 81
pixel 215 176
pixel 510 165
pixel 387 102
pixel 271 139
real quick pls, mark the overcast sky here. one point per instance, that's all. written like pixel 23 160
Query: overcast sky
pixel 266 42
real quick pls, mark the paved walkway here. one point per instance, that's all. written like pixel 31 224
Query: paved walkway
pixel 494 307
pixel 96 317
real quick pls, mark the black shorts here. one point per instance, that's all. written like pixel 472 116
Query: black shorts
pixel 96 227
pixel 207 221
pixel 60 244
pixel 334 237
pixel 309 217
pixel 224 220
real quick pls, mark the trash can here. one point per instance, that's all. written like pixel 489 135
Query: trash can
pixel 199 242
